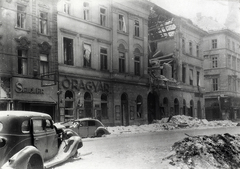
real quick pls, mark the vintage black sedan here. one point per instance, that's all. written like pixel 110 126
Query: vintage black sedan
pixel 30 140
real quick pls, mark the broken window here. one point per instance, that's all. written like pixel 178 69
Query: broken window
pixel 102 16
pixel 136 28
pixel 22 62
pixel 87 53
pixel 68 51
pixel 121 23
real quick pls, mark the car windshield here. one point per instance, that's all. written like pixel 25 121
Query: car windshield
pixel 1 126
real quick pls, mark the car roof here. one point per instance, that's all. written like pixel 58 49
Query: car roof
pixel 21 113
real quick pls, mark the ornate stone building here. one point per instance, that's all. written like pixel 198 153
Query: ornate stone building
pixel 28 50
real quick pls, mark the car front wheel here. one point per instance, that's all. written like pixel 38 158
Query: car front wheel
pixel 100 133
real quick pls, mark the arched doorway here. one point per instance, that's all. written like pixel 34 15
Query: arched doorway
pixel 153 107
pixel 184 107
pixel 191 108
pixel 176 107
pixel 165 107
pixel 199 110
pixel 124 110
pixel 68 113
pixel 88 104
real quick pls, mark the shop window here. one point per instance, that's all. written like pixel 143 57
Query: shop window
pixel 88 104
pixel 121 23
pixel 103 59
pixel 176 107
pixel 136 24
pixel 102 16
pixel 68 112
pixel 43 64
pixel 104 106
pixel 21 16
pixel 22 62
pixel 139 106
pixel 121 62
pixel 86 11
pixel 214 43
pixel 87 53
pixel 43 22
pixel 68 51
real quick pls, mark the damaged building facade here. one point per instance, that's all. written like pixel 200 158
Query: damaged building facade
pixel 222 74
pixel 28 32
pixel 103 60
pixel 175 66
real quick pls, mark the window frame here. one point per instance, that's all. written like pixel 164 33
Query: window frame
pixel 137 65
pixel 136 28
pixel 21 62
pixel 214 59
pixel 21 14
pixel 215 86
pixel 68 57
pixel 214 43
pixel 103 59
pixel 43 64
pixel 122 62
pixel 86 11
pixel 103 17
pixel 121 23
pixel 66 8
pixel 190 48
pixel 87 63
pixel 41 20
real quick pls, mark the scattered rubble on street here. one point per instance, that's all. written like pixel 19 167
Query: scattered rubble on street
pixel 200 152
pixel 176 122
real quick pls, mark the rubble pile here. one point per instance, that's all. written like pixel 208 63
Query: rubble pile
pixel 200 152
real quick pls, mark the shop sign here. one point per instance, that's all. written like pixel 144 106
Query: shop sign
pixel 19 88
pixel 94 86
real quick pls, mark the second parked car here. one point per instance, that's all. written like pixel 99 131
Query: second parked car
pixel 87 127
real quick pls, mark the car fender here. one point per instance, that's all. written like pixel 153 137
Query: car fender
pixel 21 159
pixel 102 129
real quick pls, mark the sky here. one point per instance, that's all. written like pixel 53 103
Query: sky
pixel 223 11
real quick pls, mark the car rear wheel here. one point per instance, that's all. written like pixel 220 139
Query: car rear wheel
pixel 35 162
pixel 100 133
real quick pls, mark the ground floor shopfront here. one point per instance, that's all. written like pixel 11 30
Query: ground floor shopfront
pixel 222 108
pixel 114 103
pixel 19 93
pixel 166 103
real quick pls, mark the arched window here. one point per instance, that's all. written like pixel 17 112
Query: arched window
pixel 69 114
pixel 139 106
pixel 176 106
pixel 88 104
pixel 104 106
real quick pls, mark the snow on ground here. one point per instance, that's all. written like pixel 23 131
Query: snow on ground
pixel 176 122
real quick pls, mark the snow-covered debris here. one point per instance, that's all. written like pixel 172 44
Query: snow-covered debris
pixel 200 152
pixel 175 122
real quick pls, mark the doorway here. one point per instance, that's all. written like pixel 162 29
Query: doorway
pixel 124 110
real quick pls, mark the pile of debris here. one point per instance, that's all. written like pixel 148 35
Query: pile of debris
pixel 219 151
